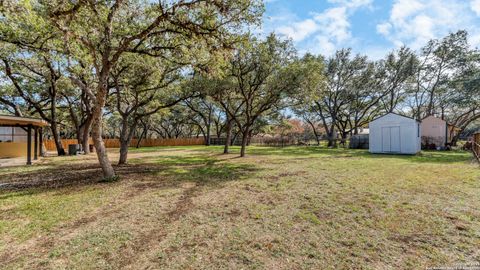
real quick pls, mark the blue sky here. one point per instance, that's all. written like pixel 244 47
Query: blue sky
pixel 371 27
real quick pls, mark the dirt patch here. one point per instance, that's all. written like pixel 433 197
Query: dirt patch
pixel 130 253
pixel 169 212
pixel 184 204
pixel 276 178
pixel 77 174
pixel 71 175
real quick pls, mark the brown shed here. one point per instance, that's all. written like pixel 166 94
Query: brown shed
pixel 436 131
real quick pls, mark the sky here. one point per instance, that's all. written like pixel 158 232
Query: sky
pixel 371 27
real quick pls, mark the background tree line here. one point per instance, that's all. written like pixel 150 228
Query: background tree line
pixel 170 69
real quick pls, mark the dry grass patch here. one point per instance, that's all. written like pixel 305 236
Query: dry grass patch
pixel 280 208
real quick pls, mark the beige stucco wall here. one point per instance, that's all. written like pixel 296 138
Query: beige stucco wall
pixel 14 149
pixel 433 131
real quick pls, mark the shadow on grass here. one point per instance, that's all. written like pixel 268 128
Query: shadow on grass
pixel 200 164
pixel 162 148
pixel 200 169
pixel 162 171
pixel 52 177
pixel 318 151
pixel 444 157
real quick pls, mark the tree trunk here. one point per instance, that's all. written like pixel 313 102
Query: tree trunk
pixel 430 105
pixel 315 133
pixel 207 137
pixel 86 135
pixel 355 130
pixel 123 152
pixel 317 139
pixel 79 134
pixel 454 140
pixel 142 135
pixel 343 141
pixel 249 138
pixel 56 138
pixel 244 142
pixel 228 137
pixel 209 126
pixel 219 131
pixel 100 149
pixel 234 138
pixel 332 138
pixel 53 125
pixel 126 135
pixel 97 115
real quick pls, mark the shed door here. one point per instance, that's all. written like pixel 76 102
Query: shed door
pixel 385 139
pixel 395 139
pixel 391 139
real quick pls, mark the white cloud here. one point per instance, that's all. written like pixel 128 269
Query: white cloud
pixel 384 28
pixel 475 6
pixel 323 46
pixel 299 30
pixel 352 3
pixel 408 22
pixel 335 27
pixel 323 32
pixel 475 39
pixel 414 22
pixel 320 33
pixel 404 8
pixel 334 24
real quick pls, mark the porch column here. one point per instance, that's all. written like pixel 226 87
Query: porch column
pixel 35 143
pixel 42 154
pixel 29 145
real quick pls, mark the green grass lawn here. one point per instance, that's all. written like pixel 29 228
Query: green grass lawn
pixel 278 208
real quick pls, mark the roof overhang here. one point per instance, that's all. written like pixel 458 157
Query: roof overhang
pixel 397 114
pixel 7 120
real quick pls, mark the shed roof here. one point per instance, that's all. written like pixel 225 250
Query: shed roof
pixel 397 114
pixel 9 120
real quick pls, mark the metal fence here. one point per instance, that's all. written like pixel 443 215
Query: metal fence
pixel 221 141
pixel 265 141
pixel 275 141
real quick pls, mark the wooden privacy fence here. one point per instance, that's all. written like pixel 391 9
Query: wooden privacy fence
pixel 50 144
pixel 115 143
pixel 476 145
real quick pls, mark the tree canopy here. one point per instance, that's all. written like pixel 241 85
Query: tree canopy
pixel 192 68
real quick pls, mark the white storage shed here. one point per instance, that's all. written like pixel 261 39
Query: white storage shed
pixel 394 134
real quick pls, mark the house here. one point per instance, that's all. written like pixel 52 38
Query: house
pixel 21 137
pixel 394 134
pixel 363 131
pixel 436 132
